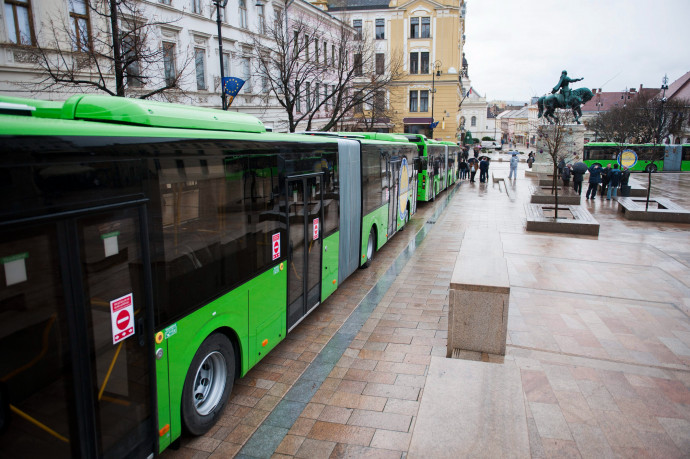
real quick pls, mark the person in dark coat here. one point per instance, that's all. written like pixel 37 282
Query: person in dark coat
pixel 578 171
pixel 594 181
pixel 565 175
pixel 561 166
pixel 614 181
pixel 605 179
pixel 625 176
pixel 484 169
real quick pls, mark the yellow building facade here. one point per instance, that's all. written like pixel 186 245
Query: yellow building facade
pixel 427 38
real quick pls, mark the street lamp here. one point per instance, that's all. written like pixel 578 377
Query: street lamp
pixel 435 72
pixel 220 4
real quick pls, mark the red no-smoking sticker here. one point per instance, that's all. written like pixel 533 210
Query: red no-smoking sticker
pixel 122 317
pixel 316 229
pixel 276 246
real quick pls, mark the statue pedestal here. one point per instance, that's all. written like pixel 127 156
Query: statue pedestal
pixel 571 148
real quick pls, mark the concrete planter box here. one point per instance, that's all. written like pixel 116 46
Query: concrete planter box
pixel 660 210
pixel 571 219
pixel 543 195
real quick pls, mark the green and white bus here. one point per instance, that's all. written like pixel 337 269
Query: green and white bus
pixel 151 253
pixel 434 174
pixel 639 157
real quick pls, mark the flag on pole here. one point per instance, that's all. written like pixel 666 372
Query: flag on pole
pixel 434 124
pixel 231 87
pixel 469 91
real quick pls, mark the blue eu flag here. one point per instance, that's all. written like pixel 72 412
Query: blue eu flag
pixel 434 124
pixel 231 87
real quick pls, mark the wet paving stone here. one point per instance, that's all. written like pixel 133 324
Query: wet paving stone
pixel 598 328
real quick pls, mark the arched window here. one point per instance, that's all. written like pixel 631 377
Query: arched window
pixel 473 121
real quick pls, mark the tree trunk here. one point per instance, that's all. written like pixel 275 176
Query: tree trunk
pixel 555 189
pixel 117 55
pixel 649 188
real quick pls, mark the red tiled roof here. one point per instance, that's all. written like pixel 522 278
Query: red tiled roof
pixel 609 100
pixel 679 89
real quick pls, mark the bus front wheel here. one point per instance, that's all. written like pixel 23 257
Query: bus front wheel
pixel 208 384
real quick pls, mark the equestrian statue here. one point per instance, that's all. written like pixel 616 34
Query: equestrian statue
pixel 566 99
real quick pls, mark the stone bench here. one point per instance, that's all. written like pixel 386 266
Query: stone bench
pixel 660 210
pixel 479 295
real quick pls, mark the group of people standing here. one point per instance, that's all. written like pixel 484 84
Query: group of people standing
pixel 470 167
pixel 606 180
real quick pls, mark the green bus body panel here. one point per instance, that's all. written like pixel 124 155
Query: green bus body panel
pixel 423 187
pixel 163 395
pixel 376 136
pixel 379 219
pixel 148 113
pixel 329 271
pixel 267 313
pixel 228 314
pixel 639 166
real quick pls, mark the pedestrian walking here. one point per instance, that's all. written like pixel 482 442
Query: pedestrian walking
pixel 614 181
pixel 578 169
pixel 565 175
pixel 514 160
pixel 530 159
pixel 594 181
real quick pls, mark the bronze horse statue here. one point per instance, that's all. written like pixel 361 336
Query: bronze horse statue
pixel 549 104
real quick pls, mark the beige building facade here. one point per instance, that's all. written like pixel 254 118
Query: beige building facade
pixel 426 38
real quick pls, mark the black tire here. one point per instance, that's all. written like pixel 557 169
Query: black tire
pixel 371 248
pixel 208 384
pixel 650 168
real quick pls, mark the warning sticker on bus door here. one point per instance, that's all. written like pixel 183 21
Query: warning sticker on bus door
pixel 276 246
pixel 316 229
pixel 122 317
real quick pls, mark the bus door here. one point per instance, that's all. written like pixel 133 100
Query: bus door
pixel 673 155
pixel 305 223
pixel 393 191
pixel 75 337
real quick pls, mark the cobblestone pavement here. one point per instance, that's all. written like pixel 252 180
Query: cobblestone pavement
pixel 599 329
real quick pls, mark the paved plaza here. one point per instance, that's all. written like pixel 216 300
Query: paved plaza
pixel 598 348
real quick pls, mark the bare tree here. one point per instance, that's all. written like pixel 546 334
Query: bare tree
pixel 109 46
pixel 616 125
pixel 316 68
pixel 554 137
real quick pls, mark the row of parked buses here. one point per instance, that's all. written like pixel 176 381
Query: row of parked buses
pixel 152 253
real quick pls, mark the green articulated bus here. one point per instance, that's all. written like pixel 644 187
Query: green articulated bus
pixel 438 163
pixel 639 157
pixel 151 253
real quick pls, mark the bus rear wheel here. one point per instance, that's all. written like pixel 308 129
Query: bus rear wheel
pixel 650 168
pixel 371 243
pixel 208 384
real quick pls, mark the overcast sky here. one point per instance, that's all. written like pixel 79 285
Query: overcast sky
pixel 517 49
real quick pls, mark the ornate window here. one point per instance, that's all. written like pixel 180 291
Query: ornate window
pixel 19 22
pixel 380 29
pixel 79 19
